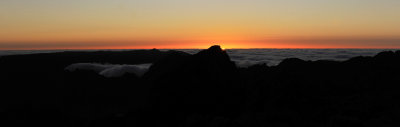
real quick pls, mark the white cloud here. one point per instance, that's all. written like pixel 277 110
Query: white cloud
pixel 120 70
pixel 110 70
pixel 272 57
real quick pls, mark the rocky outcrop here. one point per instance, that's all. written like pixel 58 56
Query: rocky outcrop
pixel 206 82
pixel 204 89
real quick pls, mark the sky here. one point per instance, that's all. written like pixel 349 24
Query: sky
pixel 174 24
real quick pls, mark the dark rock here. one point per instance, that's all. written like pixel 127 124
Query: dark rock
pixel 204 89
pixel 206 82
pixel 292 62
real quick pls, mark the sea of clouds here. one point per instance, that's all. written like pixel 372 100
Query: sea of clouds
pixel 242 58
pixel 271 57
pixel 247 57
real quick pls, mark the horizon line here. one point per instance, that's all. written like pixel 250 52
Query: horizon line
pixel 171 49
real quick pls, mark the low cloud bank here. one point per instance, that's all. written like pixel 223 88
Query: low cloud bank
pixel 272 57
pixel 110 70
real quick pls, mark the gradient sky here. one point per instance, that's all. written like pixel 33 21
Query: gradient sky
pixel 87 24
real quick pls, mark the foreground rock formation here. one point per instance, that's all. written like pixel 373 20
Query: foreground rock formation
pixel 204 89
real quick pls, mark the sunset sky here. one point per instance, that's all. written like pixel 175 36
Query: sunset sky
pixel 138 24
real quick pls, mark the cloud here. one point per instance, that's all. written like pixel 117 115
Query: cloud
pixel 110 70
pixel 247 57
pixel 120 70
pixel 272 57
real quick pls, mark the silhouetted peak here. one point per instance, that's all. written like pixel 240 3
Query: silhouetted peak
pixel 385 55
pixel 211 63
pixel 154 49
pixel 214 52
pixel 215 48
pixel 177 53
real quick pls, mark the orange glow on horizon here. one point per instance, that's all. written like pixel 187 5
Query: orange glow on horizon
pixel 180 24
pixel 224 46
pixel 227 42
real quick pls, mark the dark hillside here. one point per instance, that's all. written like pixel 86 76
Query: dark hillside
pixel 204 89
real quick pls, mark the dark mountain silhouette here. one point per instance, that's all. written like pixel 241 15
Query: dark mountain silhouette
pixel 204 89
pixel 204 83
